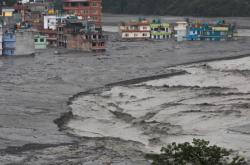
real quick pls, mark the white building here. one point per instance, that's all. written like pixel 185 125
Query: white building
pixel 30 1
pixel 135 30
pixel 50 21
pixel 24 1
pixel 181 30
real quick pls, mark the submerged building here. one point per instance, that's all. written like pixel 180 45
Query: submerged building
pixel 81 35
pixel 160 31
pixel 135 30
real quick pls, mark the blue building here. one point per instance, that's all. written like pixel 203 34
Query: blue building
pixel 195 31
pixel 9 43
pixel 210 32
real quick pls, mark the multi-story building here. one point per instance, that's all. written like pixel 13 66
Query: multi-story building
pixel 180 30
pixel 160 31
pixel 80 35
pixel 86 9
pixel 1 39
pixel 40 42
pixel 220 31
pixel 135 30
pixel 9 43
pixel 195 31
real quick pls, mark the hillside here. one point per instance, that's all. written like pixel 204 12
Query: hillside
pixel 208 8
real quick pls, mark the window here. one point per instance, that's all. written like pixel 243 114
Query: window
pixel 136 35
pixel 145 27
pixel 74 4
pixel 93 11
pixel 94 4
pixel 84 4
pixel 66 4
pixel 126 35
pixel 144 34
pixel 93 44
pixel 42 40
pixel 36 40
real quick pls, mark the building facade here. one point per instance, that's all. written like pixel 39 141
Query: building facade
pixel 1 40
pixel 135 30
pixel 40 42
pixel 160 31
pixel 9 43
pixel 80 35
pixel 86 9
pixel 180 30
pixel 221 31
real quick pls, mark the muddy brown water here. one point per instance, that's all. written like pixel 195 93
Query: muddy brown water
pixel 34 91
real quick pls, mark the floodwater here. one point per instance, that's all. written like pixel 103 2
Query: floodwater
pixel 35 91
pixel 206 100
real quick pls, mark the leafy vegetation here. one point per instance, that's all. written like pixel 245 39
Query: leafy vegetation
pixel 10 2
pixel 173 7
pixel 197 153
pixel 179 7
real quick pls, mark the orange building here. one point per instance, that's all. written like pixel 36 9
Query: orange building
pixel 87 9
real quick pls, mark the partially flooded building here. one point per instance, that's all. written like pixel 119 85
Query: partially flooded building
pixel 160 31
pixel 135 30
pixel 24 42
pixel 180 30
pixel 75 34
pixel 40 42
pixel 1 39
pixel 221 31
pixel 9 43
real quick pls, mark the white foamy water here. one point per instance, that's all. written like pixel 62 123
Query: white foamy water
pixel 210 102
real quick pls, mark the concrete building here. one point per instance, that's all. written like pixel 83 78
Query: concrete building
pixel 87 9
pixel 221 31
pixel 24 42
pixel 160 31
pixel 1 39
pixel 180 30
pixel 195 31
pixel 7 11
pixel 9 43
pixel 80 35
pixel 40 42
pixel 135 30
pixel 50 21
pixel 31 1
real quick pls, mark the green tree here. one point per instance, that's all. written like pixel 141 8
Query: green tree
pixel 10 2
pixel 197 153
pixel 209 8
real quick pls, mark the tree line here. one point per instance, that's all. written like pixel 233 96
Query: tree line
pixel 209 8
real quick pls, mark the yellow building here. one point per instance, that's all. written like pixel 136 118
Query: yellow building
pixel 7 12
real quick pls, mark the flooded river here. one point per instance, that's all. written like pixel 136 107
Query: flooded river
pixel 35 91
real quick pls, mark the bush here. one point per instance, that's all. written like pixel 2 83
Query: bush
pixel 197 153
